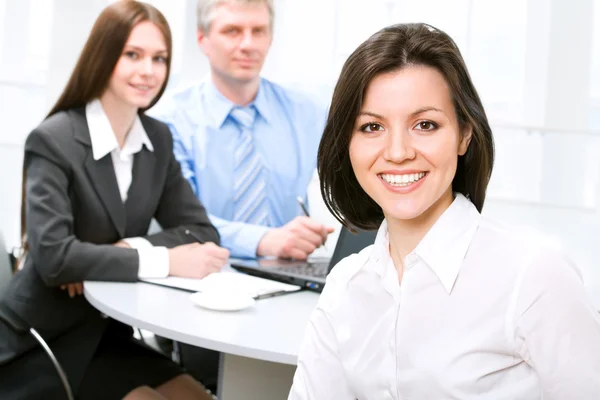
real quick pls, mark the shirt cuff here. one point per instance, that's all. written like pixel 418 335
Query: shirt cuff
pixel 153 261
pixel 247 245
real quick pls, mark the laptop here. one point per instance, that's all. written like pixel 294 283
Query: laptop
pixel 309 274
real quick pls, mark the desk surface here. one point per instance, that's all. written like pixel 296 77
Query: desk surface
pixel 271 330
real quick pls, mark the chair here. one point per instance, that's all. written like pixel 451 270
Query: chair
pixel 19 326
pixel 5 267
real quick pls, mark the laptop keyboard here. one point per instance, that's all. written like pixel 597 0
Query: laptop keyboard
pixel 318 269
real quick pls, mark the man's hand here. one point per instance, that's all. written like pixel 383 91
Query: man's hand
pixel 297 239
pixel 196 260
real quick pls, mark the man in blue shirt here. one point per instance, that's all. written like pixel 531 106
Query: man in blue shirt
pixel 246 145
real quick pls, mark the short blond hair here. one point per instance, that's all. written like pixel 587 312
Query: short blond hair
pixel 205 10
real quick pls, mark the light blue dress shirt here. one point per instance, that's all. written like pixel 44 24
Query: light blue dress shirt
pixel 287 131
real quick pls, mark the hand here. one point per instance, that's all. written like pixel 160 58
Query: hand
pixel 196 260
pixel 77 288
pixel 123 244
pixel 296 239
pixel 73 288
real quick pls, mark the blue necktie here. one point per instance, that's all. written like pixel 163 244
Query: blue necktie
pixel 249 182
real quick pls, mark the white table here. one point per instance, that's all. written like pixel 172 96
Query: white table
pixel 259 344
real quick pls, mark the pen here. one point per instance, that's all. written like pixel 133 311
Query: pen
pixel 305 211
pixel 273 294
pixel 194 236
pixel 303 206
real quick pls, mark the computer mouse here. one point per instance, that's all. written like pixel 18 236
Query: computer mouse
pixel 222 301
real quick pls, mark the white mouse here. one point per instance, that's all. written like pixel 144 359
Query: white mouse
pixel 222 301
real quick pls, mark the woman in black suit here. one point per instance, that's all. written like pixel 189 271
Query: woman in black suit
pixel 96 172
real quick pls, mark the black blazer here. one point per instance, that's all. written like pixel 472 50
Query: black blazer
pixel 74 214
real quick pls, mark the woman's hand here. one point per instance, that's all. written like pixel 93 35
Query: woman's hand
pixel 73 288
pixel 189 261
pixel 196 260
pixel 77 288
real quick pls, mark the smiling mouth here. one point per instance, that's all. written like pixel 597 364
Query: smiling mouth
pixel 143 88
pixel 402 180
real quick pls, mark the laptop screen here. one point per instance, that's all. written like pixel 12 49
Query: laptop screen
pixel 349 243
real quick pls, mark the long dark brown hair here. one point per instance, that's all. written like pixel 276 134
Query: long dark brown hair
pixel 391 49
pixel 91 76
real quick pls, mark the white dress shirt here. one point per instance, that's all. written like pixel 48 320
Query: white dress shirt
pixel 153 261
pixel 482 312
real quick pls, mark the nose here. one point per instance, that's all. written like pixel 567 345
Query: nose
pixel 399 146
pixel 147 66
pixel 247 40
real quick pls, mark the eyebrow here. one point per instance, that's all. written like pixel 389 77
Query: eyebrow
pixel 425 109
pixel 370 114
pixel 138 48
pixel 239 25
pixel 417 112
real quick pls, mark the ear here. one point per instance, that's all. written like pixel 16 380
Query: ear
pixel 465 140
pixel 201 38
pixel 270 36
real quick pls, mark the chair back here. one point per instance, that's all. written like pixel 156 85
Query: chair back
pixel 14 322
pixel 6 272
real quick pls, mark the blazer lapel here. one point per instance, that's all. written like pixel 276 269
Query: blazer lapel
pixel 102 174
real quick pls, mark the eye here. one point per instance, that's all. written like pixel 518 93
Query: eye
pixel 131 54
pixel 371 127
pixel 259 31
pixel 160 59
pixel 232 31
pixel 426 126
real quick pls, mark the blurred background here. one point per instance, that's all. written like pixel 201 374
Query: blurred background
pixel 535 63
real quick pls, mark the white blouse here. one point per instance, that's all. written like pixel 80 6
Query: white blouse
pixel 482 312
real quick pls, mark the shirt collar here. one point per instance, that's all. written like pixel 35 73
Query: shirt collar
pixel 102 136
pixel 380 251
pixel 443 248
pixel 221 106
pixel 262 102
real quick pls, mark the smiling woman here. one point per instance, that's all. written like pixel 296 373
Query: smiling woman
pixel 141 71
pixel 446 303
pixel 96 171
pixel 406 143
pixel 118 33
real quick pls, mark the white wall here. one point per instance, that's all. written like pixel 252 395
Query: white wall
pixel 535 63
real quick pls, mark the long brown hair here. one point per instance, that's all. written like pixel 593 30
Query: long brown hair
pixel 391 49
pixel 91 76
